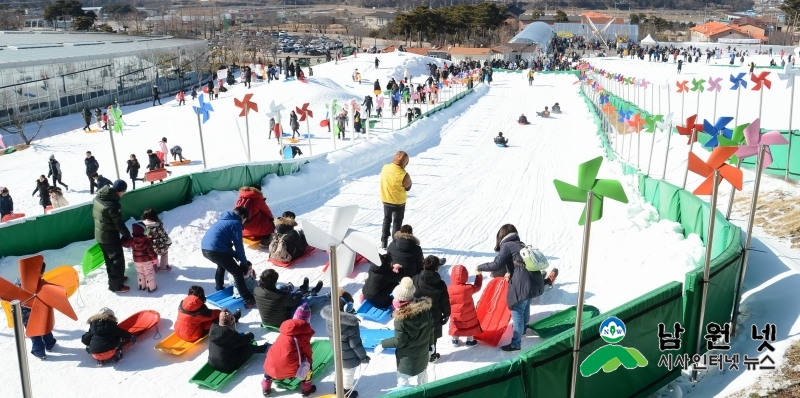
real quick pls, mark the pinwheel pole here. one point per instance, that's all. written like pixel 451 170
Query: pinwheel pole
pixel 576 342
pixel 791 111
pixel 712 218
pixel 736 113
pixel 247 130
pixel 733 192
pixel 22 351
pixel 337 324
pixel 202 145
pixel 666 154
pixel 114 151
pixel 691 147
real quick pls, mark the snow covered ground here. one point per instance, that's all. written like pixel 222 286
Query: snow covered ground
pixel 465 188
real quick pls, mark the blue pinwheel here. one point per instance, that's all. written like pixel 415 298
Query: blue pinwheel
pixel 624 115
pixel 203 109
pixel 716 130
pixel 738 81
pixel 603 99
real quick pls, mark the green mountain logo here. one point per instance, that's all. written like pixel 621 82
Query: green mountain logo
pixel 610 357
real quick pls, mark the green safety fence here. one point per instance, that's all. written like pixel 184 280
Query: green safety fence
pixel 577 73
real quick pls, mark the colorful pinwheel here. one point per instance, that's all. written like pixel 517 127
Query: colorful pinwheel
pixel 716 161
pixel 760 80
pixel 651 122
pixel 713 84
pixel 755 139
pixel 682 86
pixel 716 130
pixel 116 114
pixel 245 104
pixel 203 109
pixel 304 112
pixel 698 85
pixel 788 75
pixel 689 127
pixel 665 123
pixel 635 123
pixel 644 83
pixel 587 181
pixel 624 115
pixel 738 81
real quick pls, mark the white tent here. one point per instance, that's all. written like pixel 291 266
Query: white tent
pixel 648 41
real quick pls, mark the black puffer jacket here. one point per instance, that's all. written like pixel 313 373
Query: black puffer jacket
pixel 352 347
pixel 296 243
pixel 107 214
pixel 104 334
pixel 275 306
pixel 44 196
pixel 227 349
pixel 91 165
pixel 405 251
pixel 380 282
pixel 430 284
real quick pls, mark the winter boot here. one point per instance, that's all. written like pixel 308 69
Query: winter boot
pixel 266 385
pixel 551 277
pixel 237 314
pixel 304 286
pixel 471 343
pixel 350 393
pixel 316 288
pixel 384 242
pixel 434 357
pixel 455 342
pixel 100 363
pixel 50 349
pixel 307 388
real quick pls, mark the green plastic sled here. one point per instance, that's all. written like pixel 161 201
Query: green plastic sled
pixel 213 379
pixel 270 328
pixel 561 321
pixel 321 358
pixel 92 259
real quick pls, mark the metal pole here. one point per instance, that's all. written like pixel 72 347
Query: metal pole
pixel 736 114
pixel 22 351
pixel 638 148
pixel 576 343
pixel 114 151
pixel 733 193
pixel 715 105
pixel 666 154
pixel 308 131
pixel 652 146
pixel 691 146
pixel 760 102
pixel 712 218
pixel 748 237
pixel 630 147
pixel 337 323
pixel 789 149
pixel 247 129
pixel 202 145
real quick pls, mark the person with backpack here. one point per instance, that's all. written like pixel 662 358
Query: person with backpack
pixel 277 301
pixel 261 222
pixel 291 357
pixel 429 283
pixel 288 242
pixel 523 284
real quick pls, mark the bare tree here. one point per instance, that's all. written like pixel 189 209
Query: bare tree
pixel 23 119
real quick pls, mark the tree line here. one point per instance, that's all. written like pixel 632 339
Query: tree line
pixel 461 24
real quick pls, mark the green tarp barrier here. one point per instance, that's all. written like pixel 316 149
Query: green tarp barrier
pixel 503 379
pixel 168 195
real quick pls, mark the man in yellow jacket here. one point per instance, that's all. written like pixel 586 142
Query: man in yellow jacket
pixel 395 182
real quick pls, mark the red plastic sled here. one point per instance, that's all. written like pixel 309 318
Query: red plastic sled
pixel 140 322
pixel 12 216
pixel 493 313
pixel 289 264
pixel 358 260
pixel 155 175
pixel 47 209
pixel 324 123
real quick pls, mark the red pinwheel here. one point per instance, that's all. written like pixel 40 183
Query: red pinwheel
pixel 688 127
pixel 682 86
pixel 40 296
pixel 716 161
pixel 303 112
pixel 636 123
pixel 755 139
pixel 245 104
pixel 758 80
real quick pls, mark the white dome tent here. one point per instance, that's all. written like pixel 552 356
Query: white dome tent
pixel 648 41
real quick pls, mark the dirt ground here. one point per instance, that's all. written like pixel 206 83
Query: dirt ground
pixel 787 377
pixel 777 212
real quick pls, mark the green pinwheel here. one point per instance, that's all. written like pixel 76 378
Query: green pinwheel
pixel 116 114
pixel 697 84
pixel 651 123
pixel 587 181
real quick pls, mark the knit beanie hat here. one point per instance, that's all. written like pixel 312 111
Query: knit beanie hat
pixel 138 229
pixel 303 313
pixel 405 290
pixel 120 186
pixel 226 318
pixel 106 311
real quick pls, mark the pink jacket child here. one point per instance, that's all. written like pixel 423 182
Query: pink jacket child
pixel 144 256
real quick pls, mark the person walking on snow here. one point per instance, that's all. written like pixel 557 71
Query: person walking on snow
pixel 111 233
pixel 87 118
pixel 42 187
pixel 181 98
pixel 156 96
pixel 133 170
pixel 367 104
pixel 55 171
pixel 98 116
pixel 395 183
pixel 377 62
pixel 91 167
pixel 463 318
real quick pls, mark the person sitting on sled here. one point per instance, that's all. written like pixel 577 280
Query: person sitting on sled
pixel 194 317
pixel 277 301
pixel 105 338
pixel 523 119
pixel 545 113
pixel 556 108
pixel 291 348
pixel 229 349
pixel 500 140
pixel 381 280
pixel 260 223
pixel 293 238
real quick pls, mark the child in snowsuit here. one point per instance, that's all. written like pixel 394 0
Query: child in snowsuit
pixel 158 235
pixel 105 339
pixel 429 283
pixel 353 353
pixel 100 181
pixel 413 334
pixel 133 169
pixel 6 202
pixel 464 320
pixel 57 198
pixel 144 258
pixel 294 240
pixel 194 93
pixel 194 317
pixel 249 281
pixel 181 98
pixel 229 349
pixel 292 346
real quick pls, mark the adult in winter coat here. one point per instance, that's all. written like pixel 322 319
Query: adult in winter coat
pixel 413 334
pixel 110 232
pixel 376 88
pixel 381 280
pixel 133 169
pixel 357 121
pixel 429 283
pixel 222 245
pixel 283 358
pixel 405 250
pixel 42 187
pixel 91 167
pixel 105 338
pixel 98 116
pixel 294 124
pixel 395 183
pixel 194 317
pixel 523 285
pixel 275 305
pixel 294 240
pixel 6 202
pixel 227 348
pixel 260 221
pixel 156 96
pixel 463 318
pixel 376 62
pixel 367 104
pixel 87 118
pixel 55 170
pixel 353 352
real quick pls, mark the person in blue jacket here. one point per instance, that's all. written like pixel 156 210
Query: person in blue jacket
pixel 222 245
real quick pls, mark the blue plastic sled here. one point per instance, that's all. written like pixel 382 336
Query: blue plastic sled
pixel 287 152
pixel 367 311
pixel 286 135
pixel 224 299
pixel 371 338
pixel 502 145
pixel 306 136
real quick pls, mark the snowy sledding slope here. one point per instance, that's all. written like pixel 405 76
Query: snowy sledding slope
pixel 464 189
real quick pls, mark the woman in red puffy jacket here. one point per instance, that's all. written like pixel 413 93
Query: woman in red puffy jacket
pixel 194 317
pixel 260 223
pixel 463 318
